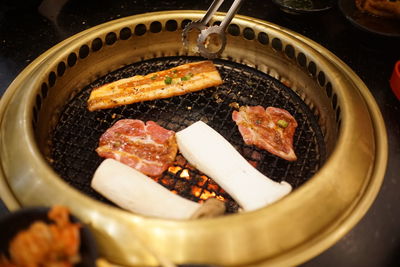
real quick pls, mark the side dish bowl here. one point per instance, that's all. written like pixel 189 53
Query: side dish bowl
pixel 375 25
pixel 304 6
pixel 17 221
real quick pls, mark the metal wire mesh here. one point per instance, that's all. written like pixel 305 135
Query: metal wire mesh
pixel 76 135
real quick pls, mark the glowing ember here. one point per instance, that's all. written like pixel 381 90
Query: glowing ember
pixel 157 179
pixel 220 198
pixel 185 174
pixel 213 187
pixel 167 181
pixel 203 180
pixel 222 191
pixel 207 194
pixel 253 163
pixel 196 191
pixel 184 180
pixel 174 169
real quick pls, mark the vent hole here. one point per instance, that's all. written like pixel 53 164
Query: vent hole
pixel 171 25
pixel 44 90
pixel 301 59
pixel 155 27
pixel 71 59
pixel 61 68
pixel 185 22
pixel 277 44
pixel 234 30
pixel 334 101
pixel 289 51
pixel 97 44
pixel 52 79
pixel 321 78
pixel 140 29
pixel 84 51
pixel 111 38
pixel 328 89
pixel 125 33
pixel 38 102
pixel 217 23
pixel 338 111
pixel 312 68
pixel 34 117
pixel 248 33
pixel 263 38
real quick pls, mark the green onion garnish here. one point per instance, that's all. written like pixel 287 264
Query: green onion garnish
pixel 154 77
pixel 283 123
pixel 187 77
pixel 168 80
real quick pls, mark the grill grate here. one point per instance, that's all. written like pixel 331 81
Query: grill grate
pixel 76 135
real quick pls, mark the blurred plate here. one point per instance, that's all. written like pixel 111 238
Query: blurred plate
pixel 369 23
pixel 19 220
pixel 304 6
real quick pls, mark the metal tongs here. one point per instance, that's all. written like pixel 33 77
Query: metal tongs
pixel 206 32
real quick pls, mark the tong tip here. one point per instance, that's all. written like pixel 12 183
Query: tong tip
pixel 203 42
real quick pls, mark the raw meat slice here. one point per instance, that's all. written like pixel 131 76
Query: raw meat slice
pixel 271 129
pixel 148 148
pixel 180 80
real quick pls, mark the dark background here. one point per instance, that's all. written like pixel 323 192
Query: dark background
pixel 26 33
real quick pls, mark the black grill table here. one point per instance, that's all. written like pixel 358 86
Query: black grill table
pixel 29 28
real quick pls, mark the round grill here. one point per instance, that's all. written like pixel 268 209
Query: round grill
pixel 43 115
pixel 76 135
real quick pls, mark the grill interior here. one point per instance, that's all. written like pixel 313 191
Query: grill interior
pixel 76 135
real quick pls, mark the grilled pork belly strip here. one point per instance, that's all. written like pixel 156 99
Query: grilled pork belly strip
pixel 213 155
pixel 180 80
